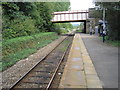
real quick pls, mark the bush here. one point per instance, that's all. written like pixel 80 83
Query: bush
pixel 19 27
pixel 21 47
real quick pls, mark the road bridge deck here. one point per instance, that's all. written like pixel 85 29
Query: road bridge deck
pixel 79 71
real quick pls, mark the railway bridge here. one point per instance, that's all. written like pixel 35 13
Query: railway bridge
pixel 71 16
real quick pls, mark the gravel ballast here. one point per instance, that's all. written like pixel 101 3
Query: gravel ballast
pixel 12 74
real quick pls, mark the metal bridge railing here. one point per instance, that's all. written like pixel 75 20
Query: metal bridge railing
pixel 70 15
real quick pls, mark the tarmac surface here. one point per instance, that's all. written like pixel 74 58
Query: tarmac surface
pixel 104 58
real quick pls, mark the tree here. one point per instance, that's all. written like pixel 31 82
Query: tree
pixel 113 24
pixel 16 15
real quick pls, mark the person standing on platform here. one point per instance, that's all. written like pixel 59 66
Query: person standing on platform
pixel 104 34
pixel 90 30
pixel 104 31
pixel 100 27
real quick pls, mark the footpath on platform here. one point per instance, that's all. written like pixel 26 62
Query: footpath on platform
pixel 105 59
pixel 79 71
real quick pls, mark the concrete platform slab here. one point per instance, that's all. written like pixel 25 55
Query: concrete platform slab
pixel 76 66
pixel 93 81
pixel 72 79
pixel 79 71
pixel 90 70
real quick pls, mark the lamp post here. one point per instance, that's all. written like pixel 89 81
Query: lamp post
pixel 104 26
pixel 103 21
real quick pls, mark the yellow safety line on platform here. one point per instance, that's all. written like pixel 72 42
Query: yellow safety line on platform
pixel 79 71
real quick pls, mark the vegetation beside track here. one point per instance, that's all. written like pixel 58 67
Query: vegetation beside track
pixel 115 43
pixel 78 31
pixel 28 18
pixel 22 21
pixel 63 28
pixel 112 21
pixel 21 47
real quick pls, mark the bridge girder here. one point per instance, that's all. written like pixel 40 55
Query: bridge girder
pixel 65 16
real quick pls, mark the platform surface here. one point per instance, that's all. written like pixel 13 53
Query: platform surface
pixel 79 71
pixel 105 59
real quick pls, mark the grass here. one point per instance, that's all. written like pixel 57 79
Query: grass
pixel 114 43
pixel 0 56
pixel 66 42
pixel 78 30
pixel 110 42
pixel 11 58
pixel 0 65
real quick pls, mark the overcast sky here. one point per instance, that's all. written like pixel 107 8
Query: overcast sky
pixel 81 4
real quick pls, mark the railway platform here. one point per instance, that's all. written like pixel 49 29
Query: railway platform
pixel 79 71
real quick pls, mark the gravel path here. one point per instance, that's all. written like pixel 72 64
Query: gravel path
pixel 12 74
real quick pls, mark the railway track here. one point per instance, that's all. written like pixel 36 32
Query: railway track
pixel 42 74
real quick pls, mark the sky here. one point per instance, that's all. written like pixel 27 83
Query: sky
pixel 81 5
pixel 76 5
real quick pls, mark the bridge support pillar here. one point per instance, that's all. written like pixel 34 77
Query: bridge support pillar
pixel 84 27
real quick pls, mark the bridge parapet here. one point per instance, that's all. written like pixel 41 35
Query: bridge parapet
pixel 70 16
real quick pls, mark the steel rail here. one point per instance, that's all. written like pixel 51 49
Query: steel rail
pixel 35 66
pixel 53 76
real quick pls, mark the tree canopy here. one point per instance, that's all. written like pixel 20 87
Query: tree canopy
pixel 112 14
pixel 27 18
